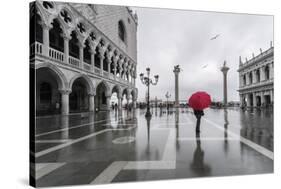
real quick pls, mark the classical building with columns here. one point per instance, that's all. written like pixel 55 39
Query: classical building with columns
pixel 81 54
pixel 256 79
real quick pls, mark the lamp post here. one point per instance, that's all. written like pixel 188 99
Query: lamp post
pixel 167 95
pixel 146 80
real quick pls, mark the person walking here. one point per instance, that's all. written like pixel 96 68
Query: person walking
pixel 199 101
pixel 198 114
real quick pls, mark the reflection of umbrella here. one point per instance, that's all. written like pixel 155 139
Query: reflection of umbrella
pixel 199 100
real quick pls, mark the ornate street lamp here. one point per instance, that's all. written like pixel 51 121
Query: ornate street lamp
pixel 167 95
pixel 146 80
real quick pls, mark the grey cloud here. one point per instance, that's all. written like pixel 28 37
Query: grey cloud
pixel 170 37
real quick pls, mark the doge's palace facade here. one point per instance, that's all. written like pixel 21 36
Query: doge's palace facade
pixel 256 79
pixel 81 54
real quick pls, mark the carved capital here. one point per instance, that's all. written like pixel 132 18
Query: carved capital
pixel 65 91
pixel 93 93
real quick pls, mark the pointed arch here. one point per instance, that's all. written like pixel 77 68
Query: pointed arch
pixel 59 75
pixel 89 84
pixel 40 10
pixel 117 89
pixel 63 25
pixel 107 87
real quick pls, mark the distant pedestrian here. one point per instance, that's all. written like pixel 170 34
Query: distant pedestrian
pixel 198 114
pixel 199 101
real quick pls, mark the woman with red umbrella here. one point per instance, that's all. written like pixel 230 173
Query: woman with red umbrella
pixel 199 101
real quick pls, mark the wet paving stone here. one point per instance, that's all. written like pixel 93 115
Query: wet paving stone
pixel 231 142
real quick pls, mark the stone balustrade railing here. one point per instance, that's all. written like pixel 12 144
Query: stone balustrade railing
pixel 37 49
pixel 55 54
pixel 74 61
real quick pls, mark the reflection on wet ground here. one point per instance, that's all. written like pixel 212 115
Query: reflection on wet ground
pixel 125 146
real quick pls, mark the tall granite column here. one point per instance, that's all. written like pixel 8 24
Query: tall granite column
pixel 224 70
pixel 176 71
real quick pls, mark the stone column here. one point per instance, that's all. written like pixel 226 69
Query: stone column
pixel 81 56
pixel 66 49
pixel 254 76
pixel 109 65
pixel 254 100
pixel 247 78
pixel 65 101
pixel 101 63
pixel 120 70
pixel 176 72
pixel 92 60
pixel 115 67
pixel 224 70
pixel 271 72
pixel 92 102
pixel 46 29
pixel 262 73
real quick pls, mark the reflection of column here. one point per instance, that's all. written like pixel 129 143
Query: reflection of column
pixel 134 103
pixel 91 102
pixel 262 99
pixel 108 102
pixel 66 48
pixel 64 125
pixel 226 131
pixel 119 103
pixel 65 101
pixel 254 100
pixel 46 39
pixel 248 100
pixel 177 128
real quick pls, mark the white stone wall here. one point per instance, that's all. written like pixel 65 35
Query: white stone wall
pixel 257 88
pixel 106 18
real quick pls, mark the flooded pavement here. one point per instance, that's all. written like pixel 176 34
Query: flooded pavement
pixel 125 146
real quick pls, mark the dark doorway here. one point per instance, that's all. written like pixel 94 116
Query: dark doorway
pixel 78 99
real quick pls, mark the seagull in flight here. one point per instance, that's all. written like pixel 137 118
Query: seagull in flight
pixel 215 37
pixel 205 66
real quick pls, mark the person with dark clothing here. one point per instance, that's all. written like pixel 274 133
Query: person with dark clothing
pixel 198 114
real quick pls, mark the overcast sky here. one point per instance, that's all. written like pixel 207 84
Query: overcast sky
pixel 170 37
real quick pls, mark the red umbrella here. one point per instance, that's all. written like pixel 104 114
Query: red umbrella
pixel 199 100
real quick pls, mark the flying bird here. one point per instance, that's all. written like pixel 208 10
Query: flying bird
pixel 215 37
pixel 205 66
